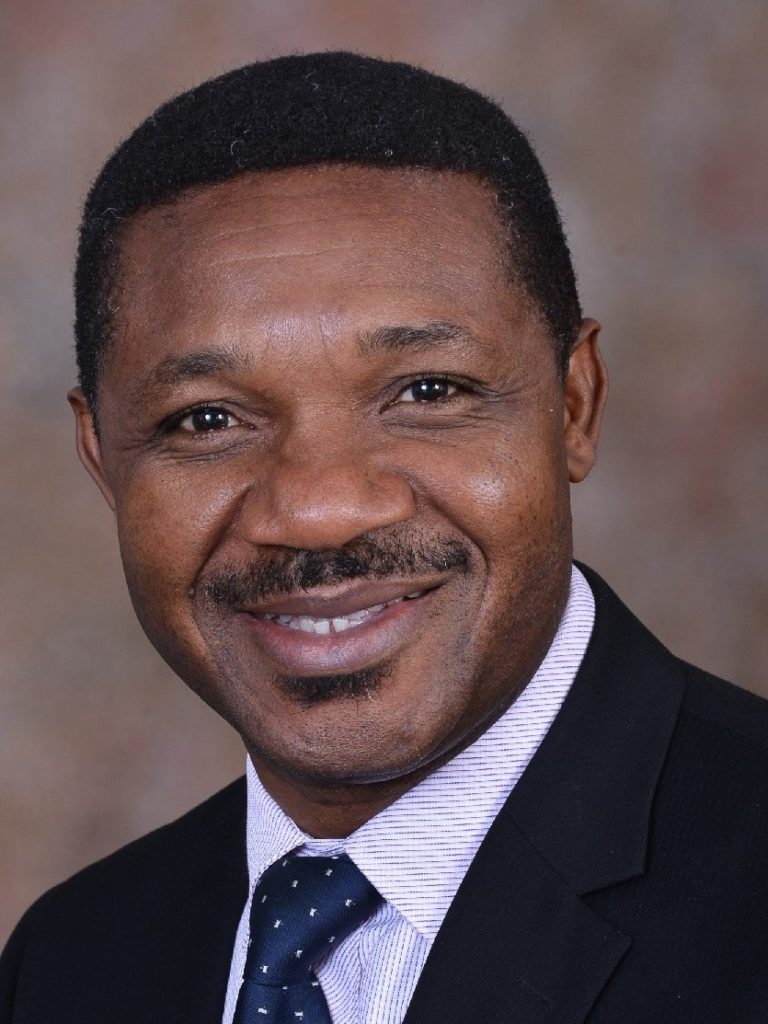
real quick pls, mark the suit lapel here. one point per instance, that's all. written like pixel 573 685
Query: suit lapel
pixel 519 943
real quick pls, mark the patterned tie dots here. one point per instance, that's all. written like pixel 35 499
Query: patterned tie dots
pixel 301 907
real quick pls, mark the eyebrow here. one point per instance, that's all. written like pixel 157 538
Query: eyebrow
pixel 192 365
pixel 175 370
pixel 415 337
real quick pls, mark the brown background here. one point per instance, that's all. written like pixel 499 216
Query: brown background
pixel 650 116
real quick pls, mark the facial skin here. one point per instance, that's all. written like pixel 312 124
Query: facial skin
pixel 324 394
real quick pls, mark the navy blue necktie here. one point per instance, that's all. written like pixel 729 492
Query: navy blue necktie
pixel 301 908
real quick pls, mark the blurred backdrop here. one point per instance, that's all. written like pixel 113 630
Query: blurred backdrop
pixel 650 116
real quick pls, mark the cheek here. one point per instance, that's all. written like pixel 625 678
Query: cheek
pixel 169 521
pixel 507 495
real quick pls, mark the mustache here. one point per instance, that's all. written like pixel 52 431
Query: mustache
pixel 287 570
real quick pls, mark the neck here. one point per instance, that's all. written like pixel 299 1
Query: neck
pixel 335 810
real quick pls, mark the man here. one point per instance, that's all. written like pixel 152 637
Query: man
pixel 335 383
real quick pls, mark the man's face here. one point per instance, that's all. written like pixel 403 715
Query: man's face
pixel 338 451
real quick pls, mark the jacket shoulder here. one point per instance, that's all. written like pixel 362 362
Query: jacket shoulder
pixel 127 909
pixel 159 852
pixel 722 704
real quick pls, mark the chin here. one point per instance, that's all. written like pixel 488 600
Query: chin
pixel 353 742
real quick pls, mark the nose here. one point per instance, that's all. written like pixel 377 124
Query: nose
pixel 314 502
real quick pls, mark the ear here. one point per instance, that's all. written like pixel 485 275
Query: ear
pixel 585 392
pixel 88 446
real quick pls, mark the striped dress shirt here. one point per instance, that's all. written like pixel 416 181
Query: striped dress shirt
pixel 417 851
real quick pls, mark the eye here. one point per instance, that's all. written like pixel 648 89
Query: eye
pixel 428 389
pixel 206 419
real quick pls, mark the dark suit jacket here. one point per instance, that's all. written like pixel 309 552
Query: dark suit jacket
pixel 624 882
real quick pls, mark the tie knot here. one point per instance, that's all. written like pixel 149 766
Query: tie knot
pixel 302 907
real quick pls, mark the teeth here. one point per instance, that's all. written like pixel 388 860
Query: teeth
pixel 355 618
pixel 308 624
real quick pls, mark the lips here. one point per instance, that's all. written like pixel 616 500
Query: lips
pixel 337 630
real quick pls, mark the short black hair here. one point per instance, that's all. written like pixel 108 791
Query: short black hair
pixel 331 107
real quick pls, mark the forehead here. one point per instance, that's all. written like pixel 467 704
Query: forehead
pixel 361 196
pixel 344 247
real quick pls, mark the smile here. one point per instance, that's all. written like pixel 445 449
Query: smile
pixel 338 624
pixel 341 629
